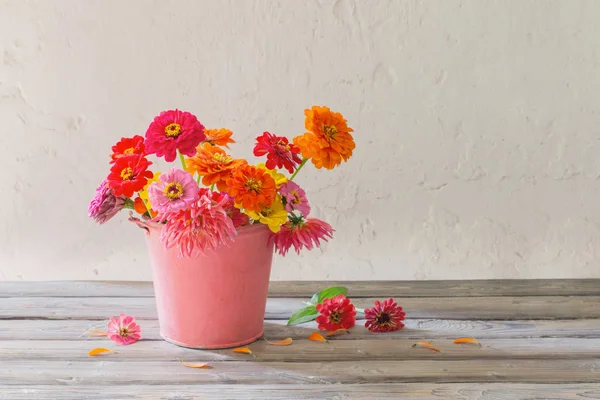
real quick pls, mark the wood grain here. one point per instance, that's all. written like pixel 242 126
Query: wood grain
pixel 410 391
pixel 415 328
pixel 302 350
pixel 305 289
pixel 459 308
pixel 111 371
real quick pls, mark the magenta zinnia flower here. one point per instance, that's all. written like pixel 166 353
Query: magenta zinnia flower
pixel 280 153
pixel 238 218
pixel 105 204
pixel 385 316
pixel 203 226
pixel 301 233
pixel 123 330
pixel 174 130
pixel 295 198
pixel 174 191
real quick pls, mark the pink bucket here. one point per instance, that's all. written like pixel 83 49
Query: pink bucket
pixel 215 300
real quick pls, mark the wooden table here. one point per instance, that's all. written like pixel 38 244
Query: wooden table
pixel 540 340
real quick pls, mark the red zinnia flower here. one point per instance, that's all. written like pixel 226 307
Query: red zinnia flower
pixel 127 147
pixel 384 317
pixel 174 130
pixel 280 153
pixel 129 175
pixel 336 313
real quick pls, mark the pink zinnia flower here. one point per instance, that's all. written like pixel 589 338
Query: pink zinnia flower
pixel 295 198
pixel 203 226
pixel 384 317
pixel 174 130
pixel 301 233
pixel 174 191
pixel 238 218
pixel 123 330
pixel 280 153
pixel 105 204
pixel 336 313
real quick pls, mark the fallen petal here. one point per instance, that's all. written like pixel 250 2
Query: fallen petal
pixel 466 340
pixel 284 342
pixel 428 345
pixel 98 351
pixel 243 350
pixel 316 336
pixel 337 332
pixel 197 366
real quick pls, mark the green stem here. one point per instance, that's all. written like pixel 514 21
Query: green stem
pixel 198 179
pixel 299 168
pixel 182 160
pixel 212 187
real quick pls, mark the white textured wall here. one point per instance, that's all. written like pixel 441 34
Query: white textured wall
pixel 477 127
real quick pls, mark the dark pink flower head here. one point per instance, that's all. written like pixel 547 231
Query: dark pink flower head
pixel 280 153
pixel 203 226
pixel 105 204
pixel 175 190
pixel 295 198
pixel 174 130
pixel 123 330
pixel 238 218
pixel 385 316
pixel 301 233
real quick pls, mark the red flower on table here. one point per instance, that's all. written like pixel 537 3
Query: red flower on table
pixel 336 313
pixel 385 316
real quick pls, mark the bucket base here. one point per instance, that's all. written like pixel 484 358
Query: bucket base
pixel 215 347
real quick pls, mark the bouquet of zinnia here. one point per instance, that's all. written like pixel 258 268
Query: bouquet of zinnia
pixel 205 203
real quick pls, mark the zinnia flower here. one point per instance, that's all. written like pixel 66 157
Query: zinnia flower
pixel 336 313
pixel 174 130
pixel 128 146
pixel 273 216
pixel 213 165
pixel 238 218
pixel 203 226
pixel 144 193
pixel 301 233
pixel 328 141
pixel 295 198
pixel 280 153
pixel 384 317
pixel 252 188
pixel 218 137
pixel 129 175
pixel 105 204
pixel 174 191
pixel 279 178
pixel 123 330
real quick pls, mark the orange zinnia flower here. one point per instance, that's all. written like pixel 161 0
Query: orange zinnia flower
pixel 219 137
pixel 252 188
pixel 328 141
pixel 212 164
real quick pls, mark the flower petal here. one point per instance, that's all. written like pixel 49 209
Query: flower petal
pixel 284 342
pixel 427 345
pixel 98 351
pixel 466 340
pixel 243 350
pixel 316 336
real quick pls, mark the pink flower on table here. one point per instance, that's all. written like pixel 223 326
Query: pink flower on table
pixel 175 190
pixel 238 218
pixel 301 233
pixel 295 198
pixel 174 130
pixel 105 204
pixel 123 330
pixel 203 226
pixel 385 316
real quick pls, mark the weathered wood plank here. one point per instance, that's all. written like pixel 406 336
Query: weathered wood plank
pixel 460 308
pixel 415 329
pixel 105 371
pixel 304 289
pixel 410 391
pixel 303 350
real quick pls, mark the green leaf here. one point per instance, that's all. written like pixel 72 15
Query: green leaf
pixel 328 293
pixel 305 314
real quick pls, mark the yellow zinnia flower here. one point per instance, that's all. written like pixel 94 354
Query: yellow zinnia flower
pixel 273 216
pixel 279 178
pixel 144 192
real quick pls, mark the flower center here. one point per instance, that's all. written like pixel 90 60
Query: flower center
pixel 222 158
pixel 283 145
pixel 174 191
pixel 335 317
pixel 330 131
pixel 123 332
pixel 296 197
pixel 127 173
pixel 173 130
pixel 383 318
pixel 253 185
pixel 130 150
